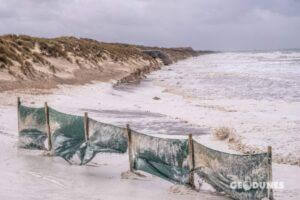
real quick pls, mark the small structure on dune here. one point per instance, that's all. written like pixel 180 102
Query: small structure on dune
pixel 159 54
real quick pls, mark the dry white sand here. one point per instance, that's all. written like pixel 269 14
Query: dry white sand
pixel 30 175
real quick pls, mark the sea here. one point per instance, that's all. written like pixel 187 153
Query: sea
pixel 258 75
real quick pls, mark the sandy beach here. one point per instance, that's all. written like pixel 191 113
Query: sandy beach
pixel 171 113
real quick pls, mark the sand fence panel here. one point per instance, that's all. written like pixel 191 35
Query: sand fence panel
pixel 67 135
pixel 104 138
pixel 78 139
pixel 71 142
pixel 163 157
pixel 32 128
pixel 225 171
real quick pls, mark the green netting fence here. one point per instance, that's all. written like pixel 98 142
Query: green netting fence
pixel 225 171
pixel 163 157
pixel 104 138
pixel 32 128
pixel 79 139
pixel 67 136
pixel 70 142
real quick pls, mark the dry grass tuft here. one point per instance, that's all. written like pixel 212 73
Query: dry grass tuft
pixel 223 133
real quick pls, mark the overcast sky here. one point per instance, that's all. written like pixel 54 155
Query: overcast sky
pixel 202 24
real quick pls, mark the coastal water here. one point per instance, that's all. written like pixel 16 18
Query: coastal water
pixel 259 75
pixel 255 92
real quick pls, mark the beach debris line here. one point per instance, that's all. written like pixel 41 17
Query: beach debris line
pixel 78 139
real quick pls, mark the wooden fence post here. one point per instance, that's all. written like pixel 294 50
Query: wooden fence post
pixel 18 113
pixel 129 148
pixel 191 161
pixel 86 126
pixel 48 127
pixel 270 190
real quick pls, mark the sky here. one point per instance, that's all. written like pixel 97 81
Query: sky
pixel 201 24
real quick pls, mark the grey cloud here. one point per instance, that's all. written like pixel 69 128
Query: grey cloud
pixel 202 24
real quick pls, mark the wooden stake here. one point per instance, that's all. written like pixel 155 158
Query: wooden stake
pixel 18 113
pixel 130 148
pixel 48 127
pixel 191 161
pixel 270 190
pixel 86 126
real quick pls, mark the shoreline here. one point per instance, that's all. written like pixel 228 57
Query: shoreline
pixel 109 107
pixel 134 78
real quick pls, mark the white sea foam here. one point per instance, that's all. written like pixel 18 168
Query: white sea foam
pixel 241 75
pixel 257 93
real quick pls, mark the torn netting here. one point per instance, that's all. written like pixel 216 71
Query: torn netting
pixel 104 138
pixel 166 158
pixel 32 128
pixel 68 138
pixel 223 171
